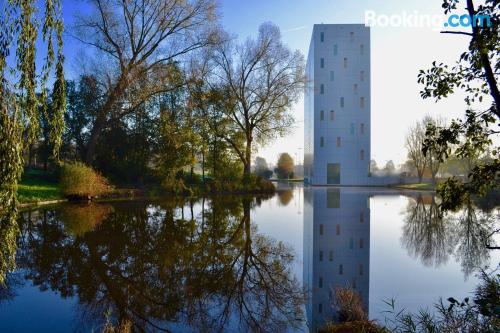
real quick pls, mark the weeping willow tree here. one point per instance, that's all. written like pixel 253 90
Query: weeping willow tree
pixel 23 96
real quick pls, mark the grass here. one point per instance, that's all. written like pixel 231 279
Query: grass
pixel 37 186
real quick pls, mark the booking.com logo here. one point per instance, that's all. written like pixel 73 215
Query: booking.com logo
pixel 467 20
pixel 417 20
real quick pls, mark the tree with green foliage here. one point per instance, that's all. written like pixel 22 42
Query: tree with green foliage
pixel 84 99
pixel 19 103
pixel 209 104
pixel 172 152
pixel 285 167
pixel 476 74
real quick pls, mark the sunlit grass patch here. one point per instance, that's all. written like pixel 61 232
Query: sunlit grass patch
pixel 34 188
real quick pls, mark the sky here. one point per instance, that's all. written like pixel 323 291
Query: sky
pixel 397 54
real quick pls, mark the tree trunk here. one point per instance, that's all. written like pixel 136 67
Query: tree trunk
pixel 203 166
pixel 248 158
pixel 434 178
pixel 420 175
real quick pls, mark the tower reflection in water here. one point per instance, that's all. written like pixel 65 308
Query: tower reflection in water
pixel 336 249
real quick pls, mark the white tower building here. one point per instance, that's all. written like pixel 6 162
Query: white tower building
pixel 337 106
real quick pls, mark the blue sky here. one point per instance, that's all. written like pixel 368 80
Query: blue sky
pixel 397 55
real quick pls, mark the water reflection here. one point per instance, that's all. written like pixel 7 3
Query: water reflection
pixel 336 249
pixel 171 266
pixel 433 238
pixel 426 234
pixel 337 242
pixel 203 266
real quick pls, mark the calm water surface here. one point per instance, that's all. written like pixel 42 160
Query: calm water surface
pixel 240 263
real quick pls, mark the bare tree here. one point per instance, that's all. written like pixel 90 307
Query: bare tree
pixel 414 144
pixel 135 40
pixel 263 78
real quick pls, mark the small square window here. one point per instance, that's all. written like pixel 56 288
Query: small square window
pixel 322 89
pixel 322 142
pixel 341 269
pixel 322 115
pixel 341 102
pixel 362 102
pixel 330 256
pixel 337 229
pixel 322 37
pixel 345 62
pixel 320 255
pixel 332 115
pixel 322 62
pixel 320 282
pixel 321 229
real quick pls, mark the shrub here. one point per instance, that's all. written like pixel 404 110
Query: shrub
pixel 349 305
pixel 351 315
pixel 79 180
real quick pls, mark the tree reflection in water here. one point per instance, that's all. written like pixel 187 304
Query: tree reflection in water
pixel 433 238
pixel 172 265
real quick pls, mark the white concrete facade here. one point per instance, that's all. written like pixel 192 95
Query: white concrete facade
pixel 337 106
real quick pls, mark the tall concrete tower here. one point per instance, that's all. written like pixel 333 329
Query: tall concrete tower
pixel 337 106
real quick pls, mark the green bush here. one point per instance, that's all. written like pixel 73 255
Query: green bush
pixel 79 180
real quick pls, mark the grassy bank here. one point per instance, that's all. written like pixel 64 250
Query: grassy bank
pixel 37 186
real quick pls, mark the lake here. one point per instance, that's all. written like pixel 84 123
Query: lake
pixel 239 263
